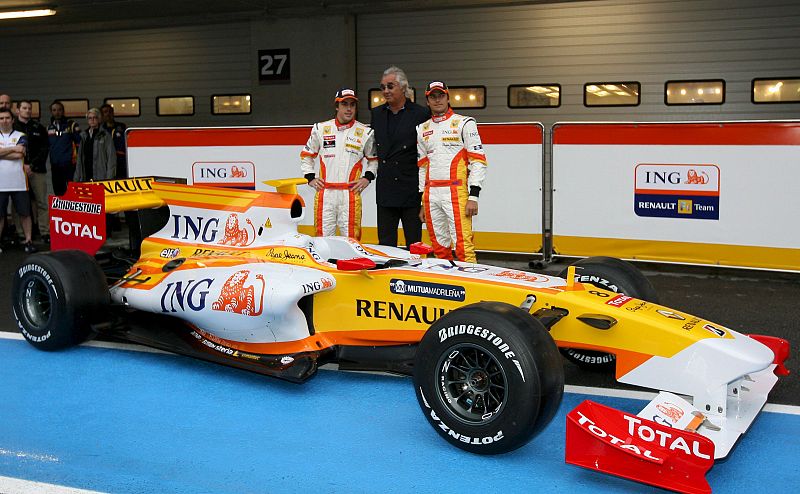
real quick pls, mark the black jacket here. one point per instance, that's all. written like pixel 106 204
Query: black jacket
pixel 38 144
pixel 398 176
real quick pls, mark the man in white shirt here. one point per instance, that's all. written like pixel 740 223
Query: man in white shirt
pixel 13 175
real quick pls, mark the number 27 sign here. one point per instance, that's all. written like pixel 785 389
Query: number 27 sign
pixel 273 65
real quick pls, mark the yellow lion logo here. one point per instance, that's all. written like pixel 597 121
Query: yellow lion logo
pixel 235 297
pixel 236 236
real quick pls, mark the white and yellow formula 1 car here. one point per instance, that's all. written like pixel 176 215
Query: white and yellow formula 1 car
pixel 224 275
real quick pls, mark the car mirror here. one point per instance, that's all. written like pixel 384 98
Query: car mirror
pixel 356 264
pixel 420 248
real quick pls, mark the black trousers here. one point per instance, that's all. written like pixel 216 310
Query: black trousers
pixel 390 217
pixel 62 174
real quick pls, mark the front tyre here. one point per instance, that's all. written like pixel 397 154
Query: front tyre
pixel 488 377
pixel 56 296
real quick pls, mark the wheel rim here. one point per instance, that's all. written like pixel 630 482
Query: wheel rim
pixel 472 384
pixel 36 303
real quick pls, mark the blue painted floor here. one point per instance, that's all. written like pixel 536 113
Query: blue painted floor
pixel 130 422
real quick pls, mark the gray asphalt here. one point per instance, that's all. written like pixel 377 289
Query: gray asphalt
pixel 745 301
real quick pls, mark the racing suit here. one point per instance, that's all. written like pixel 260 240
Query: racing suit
pixel 341 150
pixel 452 166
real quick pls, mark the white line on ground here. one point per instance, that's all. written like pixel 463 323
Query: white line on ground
pixel 569 388
pixel 9 485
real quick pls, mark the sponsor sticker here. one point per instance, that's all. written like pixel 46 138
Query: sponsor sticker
pixel 619 300
pixel 671 315
pixel 715 329
pixel 426 289
pixel 688 191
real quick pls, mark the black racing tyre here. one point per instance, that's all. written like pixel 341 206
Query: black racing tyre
pixel 614 275
pixel 56 296
pixel 488 377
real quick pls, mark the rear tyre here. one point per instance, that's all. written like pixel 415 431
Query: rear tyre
pixel 56 296
pixel 615 275
pixel 488 377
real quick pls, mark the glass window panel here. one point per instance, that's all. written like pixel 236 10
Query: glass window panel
pixel 75 107
pixel 174 105
pixel 534 95
pixel 35 108
pixel 467 96
pixel 611 93
pixel 376 97
pixel 711 92
pixel 786 90
pixel 125 107
pixel 227 104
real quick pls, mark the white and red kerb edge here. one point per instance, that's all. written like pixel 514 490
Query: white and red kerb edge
pixel 611 441
pixel 78 219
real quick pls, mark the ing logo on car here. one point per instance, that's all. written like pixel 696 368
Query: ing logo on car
pixel 237 236
pixel 235 297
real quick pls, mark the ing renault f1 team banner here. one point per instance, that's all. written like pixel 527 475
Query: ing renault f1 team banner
pixel 510 214
pixel 719 193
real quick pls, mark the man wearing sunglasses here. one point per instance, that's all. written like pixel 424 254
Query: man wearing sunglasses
pixel 396 190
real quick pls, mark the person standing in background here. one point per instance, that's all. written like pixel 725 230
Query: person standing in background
pixel 37 150
pixel 64 135
pixel 117 132
pixel 13 172
pixel 97 157
pixel 397 193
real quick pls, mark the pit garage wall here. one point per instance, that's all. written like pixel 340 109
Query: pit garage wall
pixel 717 193
pixel 505 223
pixel 197 60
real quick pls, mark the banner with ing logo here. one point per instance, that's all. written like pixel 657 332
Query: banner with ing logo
pixel 716 193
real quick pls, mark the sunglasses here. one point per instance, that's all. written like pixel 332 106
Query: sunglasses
pixel 389 86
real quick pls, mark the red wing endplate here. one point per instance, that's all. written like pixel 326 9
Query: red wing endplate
pixel 608 440
pixel 77 219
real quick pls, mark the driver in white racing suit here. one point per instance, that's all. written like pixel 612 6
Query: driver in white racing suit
pixel 342 144
pixel 452 166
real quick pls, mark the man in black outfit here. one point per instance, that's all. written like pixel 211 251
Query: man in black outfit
pixel 397 185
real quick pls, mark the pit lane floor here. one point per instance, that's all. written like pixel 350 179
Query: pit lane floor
pixel 104 418
pixel 114 420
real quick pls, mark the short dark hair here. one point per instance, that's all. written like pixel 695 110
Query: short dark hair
pixel 7 110
pixel 25 101
pixel 57 102
pixel 106 105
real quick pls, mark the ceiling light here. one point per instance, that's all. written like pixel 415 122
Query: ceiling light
pixel 611 87
pixel 602 93
pixel 683 92
pixel 621 93
pixel 700 91
pixel 592 88
pixel 18 14
pixel 472 97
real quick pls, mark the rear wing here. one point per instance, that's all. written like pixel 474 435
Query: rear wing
pixel 78 218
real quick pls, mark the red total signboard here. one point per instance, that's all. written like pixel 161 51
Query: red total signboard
pixel 77 219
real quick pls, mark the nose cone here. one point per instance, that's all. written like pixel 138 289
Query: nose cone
pixel 749 351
